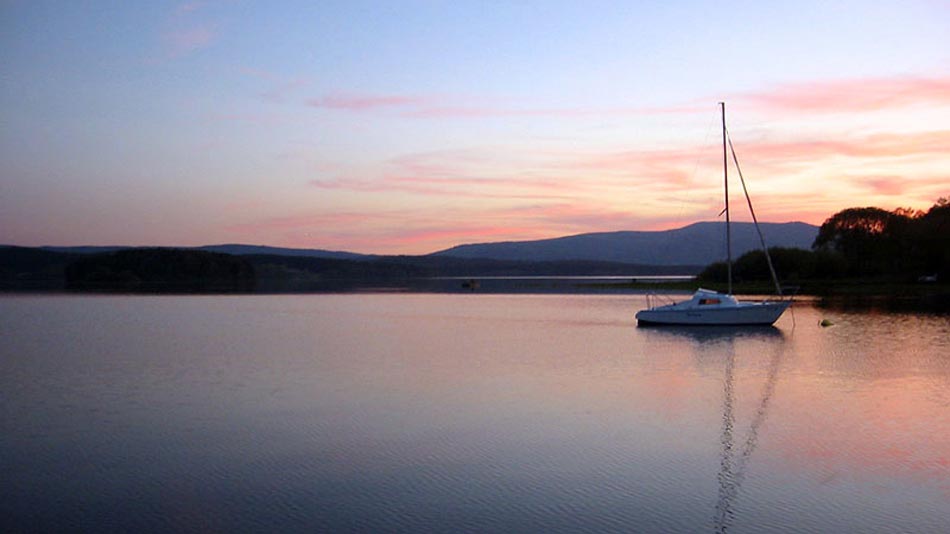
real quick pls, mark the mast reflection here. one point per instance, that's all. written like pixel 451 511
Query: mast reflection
pixel 733 466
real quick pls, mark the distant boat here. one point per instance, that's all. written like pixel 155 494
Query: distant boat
pixel 708 307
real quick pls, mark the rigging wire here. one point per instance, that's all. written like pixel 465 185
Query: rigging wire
pixel 768 258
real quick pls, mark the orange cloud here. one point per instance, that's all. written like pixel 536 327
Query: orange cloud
pixel 662 169
pixel 885 185
pixel 873 146
pixel 854 95
pixel 503 193
pixel 424 230
pixel 927 188
pixel 635 189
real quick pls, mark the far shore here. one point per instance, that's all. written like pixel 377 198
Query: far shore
pixel 532 284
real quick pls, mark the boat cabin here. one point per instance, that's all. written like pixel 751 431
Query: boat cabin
pixel 708 298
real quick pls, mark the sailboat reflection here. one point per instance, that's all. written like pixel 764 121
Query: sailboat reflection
pixel 721 341
pixel 704 334
pixel 733 460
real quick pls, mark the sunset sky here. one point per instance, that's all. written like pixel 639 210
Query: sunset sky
pixel 409 127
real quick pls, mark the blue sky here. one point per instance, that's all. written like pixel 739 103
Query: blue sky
pixel 406 127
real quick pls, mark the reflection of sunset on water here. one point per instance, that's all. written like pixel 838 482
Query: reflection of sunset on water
pixel 839 411
pixel 503 411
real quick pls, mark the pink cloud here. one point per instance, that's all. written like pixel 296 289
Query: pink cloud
pixel 572 217
pixel 279 86
pixel 253 118
pixel 550 185
pixel 278 93
pixel 427 107
pixel 675 168
pixel 854 95
pixel 489 168
pixel 423 231
pixel 474 112
pixel 394 231
pixel 184 33
pixel 572 193
pixel 886 185
pixel 477 174
pixel 310 221
pixel 557 173
pixel 451 187
pixel 186 41
pixel 434 112
pixel 437 237
pixel 258 73
pixel 927 188
pixel 819 96
pixel 665 169
pixel 870 146
pixel 189 7
pixel 350 102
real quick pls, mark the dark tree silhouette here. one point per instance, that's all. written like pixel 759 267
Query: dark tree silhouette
pixel 902 245
pixel 870 239
pixel 161 270
pixel 932 234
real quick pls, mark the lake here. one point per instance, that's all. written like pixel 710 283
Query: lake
pixel 465 413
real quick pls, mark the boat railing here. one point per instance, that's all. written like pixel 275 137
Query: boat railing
pixel 788 293
pixel 658 299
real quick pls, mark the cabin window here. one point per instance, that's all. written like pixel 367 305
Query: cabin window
pixel 703 302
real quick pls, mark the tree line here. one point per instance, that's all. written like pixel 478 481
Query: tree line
pixel 903 245
pixel 160 270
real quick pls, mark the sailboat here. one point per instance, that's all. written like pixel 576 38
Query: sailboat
pixel 707 307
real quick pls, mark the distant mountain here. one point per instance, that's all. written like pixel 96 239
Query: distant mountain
pixel 697 244
pixel 247 250
pixel 84 249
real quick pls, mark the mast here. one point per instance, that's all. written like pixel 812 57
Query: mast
pixel 725 179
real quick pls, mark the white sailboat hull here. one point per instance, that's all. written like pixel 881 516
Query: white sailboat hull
pixel 743 314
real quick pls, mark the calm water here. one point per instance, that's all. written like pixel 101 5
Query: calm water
pixel 465 413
